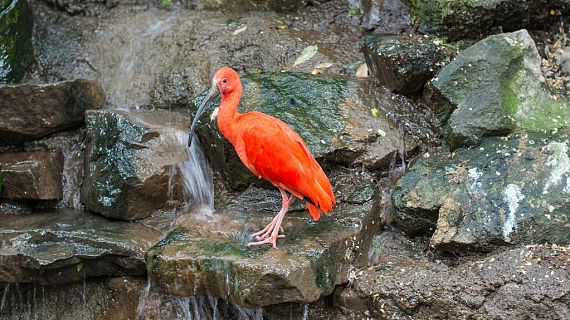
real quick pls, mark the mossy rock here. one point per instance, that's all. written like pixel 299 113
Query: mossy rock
pixel 493 88
pixel 509 190
pixel 16 50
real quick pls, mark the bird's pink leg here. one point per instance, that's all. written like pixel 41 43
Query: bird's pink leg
pixel 270 233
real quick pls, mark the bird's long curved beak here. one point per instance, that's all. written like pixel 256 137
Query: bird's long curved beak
pixel 213 93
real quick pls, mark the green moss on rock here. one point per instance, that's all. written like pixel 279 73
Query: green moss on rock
pixel 16 50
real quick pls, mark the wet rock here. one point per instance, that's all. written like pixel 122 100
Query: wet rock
pixel 510 190
pixel 403 64
pixel 521 283
pixel 69 246
pixel 16 50
pixel 105 299
pixel 90 7
pixel 29 111
pixel 493 88
pixel 32 175
pixel 245 5
pixel 333 115
pixel 207 253
pixel 384 16
pixel 132 162
pixel 476 18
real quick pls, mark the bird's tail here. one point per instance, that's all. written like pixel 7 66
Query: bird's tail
pixel 322 197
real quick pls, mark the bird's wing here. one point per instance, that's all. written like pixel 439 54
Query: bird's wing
pixel 277 153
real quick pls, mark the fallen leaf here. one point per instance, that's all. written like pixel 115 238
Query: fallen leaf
pixel 214 114
pixel 354 12
pixel 307 54
pixel 319 67
pixel 362 71
pixel 375 112
pixel 281 27
pixel 238 31
pixel 79 266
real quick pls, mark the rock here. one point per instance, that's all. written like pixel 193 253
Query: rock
pixel 16 50
pixel 384 16
pixel 30 112
pixel 207 253
pixel 32 175
pixel 89 7
pixel 332 114
pixel 493 88
pixel 69 246
pixel 522 283
pixel 245 5
pixel 136 162
pixel 477 18
pixel 99 299
pixel 510 190
pixel 401 63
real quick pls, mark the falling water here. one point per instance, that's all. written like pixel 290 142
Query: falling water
pixel 195 173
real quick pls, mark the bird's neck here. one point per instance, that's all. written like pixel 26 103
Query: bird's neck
pixel 228 114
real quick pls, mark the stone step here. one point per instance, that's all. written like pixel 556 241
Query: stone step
pixel 69 246
pixel 207 253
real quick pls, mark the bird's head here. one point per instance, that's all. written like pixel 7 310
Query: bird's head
pixel 225 81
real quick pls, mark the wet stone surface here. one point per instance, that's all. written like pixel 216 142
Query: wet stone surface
pixel 16 50
pixel 509 190
pixel 30 111
pixel 31 175
pixel 206 253
pixel 69 246
pixel 332 114
pixel 403 64
pixel 132 160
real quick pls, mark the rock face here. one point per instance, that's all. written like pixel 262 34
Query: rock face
pixel 475 18
pixel 520 283
pixel 16 50
pixel 493 88
pixel 32 111
pixel 344 130
pixel 207 252
pixel 133 162
pixel 69 246
pixel 510 190
pixel 31 175
pixel 104 299
pixel 403 64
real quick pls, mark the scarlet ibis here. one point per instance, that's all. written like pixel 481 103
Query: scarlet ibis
pixel 271 150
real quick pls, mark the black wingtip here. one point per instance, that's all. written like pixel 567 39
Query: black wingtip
pixel 309 201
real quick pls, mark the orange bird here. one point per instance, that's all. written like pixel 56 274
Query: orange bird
pixel 271 150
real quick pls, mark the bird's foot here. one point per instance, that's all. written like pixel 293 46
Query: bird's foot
pixel 266 232
pixel 272 239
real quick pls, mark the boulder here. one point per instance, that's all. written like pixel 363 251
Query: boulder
pixel 334 115
pixel 138 162
pixel 16 50
pixel 493 88
pixel 401 63
pixel 476 18
pixel 31 175
pixel 510 190
pixel 207 254
pixel 30 111
pixel 70 246
pixel 520 283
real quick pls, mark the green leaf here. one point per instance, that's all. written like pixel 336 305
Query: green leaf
pixel 79 266
pixel 375 112
pixel 354 12
pixel 164 3
pixel 307 54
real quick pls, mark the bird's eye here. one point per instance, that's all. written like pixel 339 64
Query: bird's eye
pixel 225 80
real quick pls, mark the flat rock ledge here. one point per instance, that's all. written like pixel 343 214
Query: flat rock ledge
pixel 69 246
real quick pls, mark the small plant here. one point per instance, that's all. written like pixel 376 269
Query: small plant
pixel 164 3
